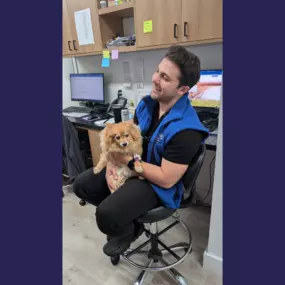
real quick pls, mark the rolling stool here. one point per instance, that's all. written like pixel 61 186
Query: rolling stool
pixel 152 217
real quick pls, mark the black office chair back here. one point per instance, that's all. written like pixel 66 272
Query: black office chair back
pixel 191 175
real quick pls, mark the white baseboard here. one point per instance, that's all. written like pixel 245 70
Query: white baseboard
pixel 213 263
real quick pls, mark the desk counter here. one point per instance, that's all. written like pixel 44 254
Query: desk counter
pixel 94 138
pixel 85 124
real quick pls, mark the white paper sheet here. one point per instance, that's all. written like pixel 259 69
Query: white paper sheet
pixel 138 68
pixel 83 26
pixel 75 115
pixel 102 123
pixel 127 72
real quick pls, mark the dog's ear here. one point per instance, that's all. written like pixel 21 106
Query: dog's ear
pixel 135 132
pixel 107 130
pixel 108 125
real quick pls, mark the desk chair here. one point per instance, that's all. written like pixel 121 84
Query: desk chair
pixel 152 217
pixel 75 155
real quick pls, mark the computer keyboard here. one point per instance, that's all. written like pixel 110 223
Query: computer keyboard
pixel 75 109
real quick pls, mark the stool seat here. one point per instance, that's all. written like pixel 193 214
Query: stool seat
pixel 155 215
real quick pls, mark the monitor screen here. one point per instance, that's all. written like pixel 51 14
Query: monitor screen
pixel 87 87
pixel 207 92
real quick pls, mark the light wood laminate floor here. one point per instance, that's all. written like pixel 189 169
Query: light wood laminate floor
pixel 84 262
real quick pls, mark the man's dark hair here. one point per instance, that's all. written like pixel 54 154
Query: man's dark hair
pixel 187 62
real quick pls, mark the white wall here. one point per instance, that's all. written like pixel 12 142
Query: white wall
pixel 210 55
pixel 213 256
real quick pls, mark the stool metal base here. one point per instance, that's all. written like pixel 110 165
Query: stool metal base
pixel 173 272
pixel 167 250
pixel 156 255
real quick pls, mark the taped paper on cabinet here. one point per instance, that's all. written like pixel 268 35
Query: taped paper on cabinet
pixel 83 26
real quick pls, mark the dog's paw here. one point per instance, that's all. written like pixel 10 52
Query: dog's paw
pixel 96 170
pixel 112 190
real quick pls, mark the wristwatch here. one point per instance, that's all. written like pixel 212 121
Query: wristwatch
pixel 131 164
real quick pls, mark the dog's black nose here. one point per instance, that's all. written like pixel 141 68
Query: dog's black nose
pixel 124 144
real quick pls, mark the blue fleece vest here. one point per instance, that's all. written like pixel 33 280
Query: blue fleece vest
pixel 182 116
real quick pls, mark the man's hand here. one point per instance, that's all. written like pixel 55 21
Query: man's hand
pixel 111 174
pixel 166 175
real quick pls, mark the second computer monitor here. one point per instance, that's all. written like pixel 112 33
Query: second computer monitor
pixel 207 92
pixel 87 87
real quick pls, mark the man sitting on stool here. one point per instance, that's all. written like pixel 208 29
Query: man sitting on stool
pixel 172 136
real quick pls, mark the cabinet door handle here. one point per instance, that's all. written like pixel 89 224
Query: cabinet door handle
pixel 69 42
pixel 175 30
pixel 185 29
pixel 74 45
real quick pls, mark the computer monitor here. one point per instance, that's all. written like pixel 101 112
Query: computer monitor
pixel 87 87
pixel 207 92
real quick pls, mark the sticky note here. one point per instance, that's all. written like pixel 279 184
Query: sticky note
pixel 115 54
pixel 106 53
pixel 147 26
pixel 105 62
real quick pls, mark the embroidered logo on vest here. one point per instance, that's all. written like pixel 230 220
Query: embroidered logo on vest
pixel 159 137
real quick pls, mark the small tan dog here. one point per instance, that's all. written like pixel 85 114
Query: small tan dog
pixel 124 137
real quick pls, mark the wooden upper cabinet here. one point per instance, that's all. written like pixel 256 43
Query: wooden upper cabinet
pixel 166 22
pixel 202 20
pixel 66 33
pixel 82 8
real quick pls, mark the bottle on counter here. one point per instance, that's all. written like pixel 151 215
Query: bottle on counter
pixel 132 109
pixel 103 4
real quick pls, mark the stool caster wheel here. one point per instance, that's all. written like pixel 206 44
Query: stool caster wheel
pixel 115 259
pixel 185 250
pixel 82 203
